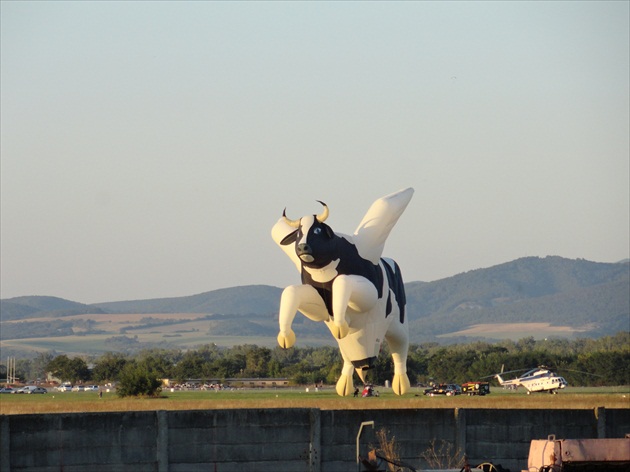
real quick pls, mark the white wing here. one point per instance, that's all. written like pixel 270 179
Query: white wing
pixel 372 232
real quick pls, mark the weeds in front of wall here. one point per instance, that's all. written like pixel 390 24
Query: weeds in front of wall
pixel 388 448
pixel 442 455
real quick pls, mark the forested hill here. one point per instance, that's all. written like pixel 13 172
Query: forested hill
pixel 249 299
pixel 20 308
pixel 575 293
pixel 591 297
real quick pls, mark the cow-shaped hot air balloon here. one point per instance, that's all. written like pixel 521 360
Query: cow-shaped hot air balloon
pixel 349 286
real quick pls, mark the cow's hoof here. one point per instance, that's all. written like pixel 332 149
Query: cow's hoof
pixel 340 332
pixel 286 340
pixel 344 385
pixel 401 384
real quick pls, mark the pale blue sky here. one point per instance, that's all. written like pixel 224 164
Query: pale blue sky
pixel 149 147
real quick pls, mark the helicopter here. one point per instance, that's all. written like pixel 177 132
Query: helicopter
pixel 540 379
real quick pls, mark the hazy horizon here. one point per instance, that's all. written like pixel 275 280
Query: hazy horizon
pixel 623 261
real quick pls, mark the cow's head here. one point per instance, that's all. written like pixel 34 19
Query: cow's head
pixel 313 239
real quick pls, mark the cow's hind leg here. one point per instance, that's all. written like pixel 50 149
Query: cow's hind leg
pixel 397 337
pixel 298 297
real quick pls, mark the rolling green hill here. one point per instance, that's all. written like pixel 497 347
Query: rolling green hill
pixel 251 299
pixel 20 308
pixel 591 297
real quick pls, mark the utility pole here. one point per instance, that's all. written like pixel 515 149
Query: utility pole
pixel 11 370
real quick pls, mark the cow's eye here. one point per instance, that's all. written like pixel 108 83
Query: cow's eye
pixel 317 230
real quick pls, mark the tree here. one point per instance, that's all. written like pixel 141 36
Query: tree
pixel 160 361
pixel 234 362
pixel 189 367
pixel 68 370
pixel 136 380
pixel 606 367
pixel 39 364
pixel 109 366
pixel 257 361
pixel 606 359
pixel 383 369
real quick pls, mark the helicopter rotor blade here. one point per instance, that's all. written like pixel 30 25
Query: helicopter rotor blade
pixel 581 372
pixel 564 369
pixel 504 372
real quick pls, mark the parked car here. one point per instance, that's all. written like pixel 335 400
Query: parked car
pixel 91 388
pixel 444 389
pixel 6 390
pixel 78 388
pixel 30 389
pixel 65 388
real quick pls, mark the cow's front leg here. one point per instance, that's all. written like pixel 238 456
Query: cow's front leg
pixel 351 291
pixel 298 297
pixel 345 386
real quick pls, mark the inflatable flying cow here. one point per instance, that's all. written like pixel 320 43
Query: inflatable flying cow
pixel 347 285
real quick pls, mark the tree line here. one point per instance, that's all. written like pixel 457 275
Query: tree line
pixel 583 362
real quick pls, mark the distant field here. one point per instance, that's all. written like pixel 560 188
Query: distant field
pixel 188 331
pixel 115 324
pixel 96 344
pixel 516 331
pixel 325 399
pixel 122 319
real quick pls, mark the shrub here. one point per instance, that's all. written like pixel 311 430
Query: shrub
pixel 136 380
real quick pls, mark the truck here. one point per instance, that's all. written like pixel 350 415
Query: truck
pixel 476 388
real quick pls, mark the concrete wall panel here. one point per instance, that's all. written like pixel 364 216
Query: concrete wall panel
pixel 216 438
pixel 75 439
pixel 617 423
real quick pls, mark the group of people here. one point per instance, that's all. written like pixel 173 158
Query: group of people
pixel 368 391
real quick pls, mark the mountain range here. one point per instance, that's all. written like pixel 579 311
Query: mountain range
pixel 561 297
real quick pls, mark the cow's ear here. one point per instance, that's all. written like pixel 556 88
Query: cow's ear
pixel 329 232
pixel 290 238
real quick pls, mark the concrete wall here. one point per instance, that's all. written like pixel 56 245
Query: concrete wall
pixel 280 440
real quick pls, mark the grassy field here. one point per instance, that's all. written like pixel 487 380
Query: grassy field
pixel 325 399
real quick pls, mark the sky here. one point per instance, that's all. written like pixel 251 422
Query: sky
pixel 147 148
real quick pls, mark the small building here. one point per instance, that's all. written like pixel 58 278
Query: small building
pixel 256 383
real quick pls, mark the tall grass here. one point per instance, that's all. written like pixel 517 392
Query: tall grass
pixel 388 448
pixel 442 454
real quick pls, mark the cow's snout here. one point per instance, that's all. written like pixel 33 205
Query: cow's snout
pixel 304 252
pixel 303 248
